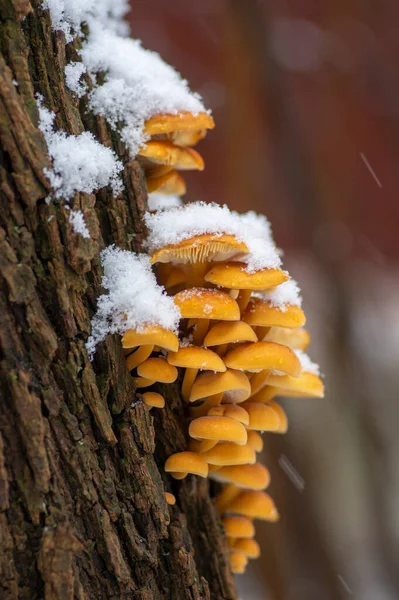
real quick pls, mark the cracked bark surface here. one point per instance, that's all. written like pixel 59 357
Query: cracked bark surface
pixel 82 508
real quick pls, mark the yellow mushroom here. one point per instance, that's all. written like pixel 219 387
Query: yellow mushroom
pixel 218 428
pixel 183 463
pixel 152 399
pixel 157 369
pixel 263 355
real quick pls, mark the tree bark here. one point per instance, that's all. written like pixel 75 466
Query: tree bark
pixel 82 508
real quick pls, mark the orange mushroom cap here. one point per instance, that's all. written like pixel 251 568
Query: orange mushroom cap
pixel 261 313
pixel 187 462
pixel 182 121
pixel 163 152
pixel 249 547
pixel 234 384
pixel 201 303
pixel 170 499
pixel 306 385
pixel 201 248
pixel 283 425
pixel 195 357
pixel 262 417
pixel 151 335
pixel 218 428
pixel 227 332
pixel 238 527
pixel 251 476
pixel 235 275
pixel 255 440
pixel 230 453
pixel 296 339
pixel 257 505
pixel 157 369
pixel 230 410
pixel 167 183
pixel 152 399
pixel 238 562
pixel 263 355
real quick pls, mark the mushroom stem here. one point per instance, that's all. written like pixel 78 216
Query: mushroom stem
pixel 200 331
pixel 202 411
pixel 188 380
pixel 243 299
pixel 139 356
pixel 195 273
pixel 226 496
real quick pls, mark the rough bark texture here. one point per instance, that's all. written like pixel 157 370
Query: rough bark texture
pixel 82 508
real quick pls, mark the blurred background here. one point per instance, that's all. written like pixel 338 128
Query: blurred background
pixel 305 96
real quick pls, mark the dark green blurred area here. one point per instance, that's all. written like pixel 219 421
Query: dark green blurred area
pixel 305 96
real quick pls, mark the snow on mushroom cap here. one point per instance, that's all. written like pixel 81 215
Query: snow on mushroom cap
pixel 307 364
pixel 138 84
pixel 286 294
pixel 173 225
pixel 134 299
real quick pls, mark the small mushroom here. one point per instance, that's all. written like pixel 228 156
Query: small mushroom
pixel 163 152
pixel 170 182
pixel 201 249
pixel 170 499
pixel 230 410
pixel 234 384
pixel 296 339
pixel 235 275
pixel 157 369
pixel 238 562
pixel 183 463
pixel 152 399
pixel 249 547
pixel 306 385
pixel 201 303
pixel 227 332
pixel 254 504
pixel 250 476
pixel 255 440
pixel 283 425
pixel 262 417
pixel 142 382
pixel 182 121
pixel 238 527
pixel 263 355
pixel 218 428
pixel 229 453
pixel 151 335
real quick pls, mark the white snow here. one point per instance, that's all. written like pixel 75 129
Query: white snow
pixel 137 83
pixel 307 364
pixel 157 201
pixel 80 162
pixel 172 225
pixel 283 295
pixel 77 220
pixel 73 73
pixel 133 300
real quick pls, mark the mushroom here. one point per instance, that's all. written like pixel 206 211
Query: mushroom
pixel 184 121
pixel 229 453
pixel 142 382
pixel 230 410
pixel 251 476
pixel 262 313
pixel 255 440
pixel 139 356
pixel 262 417
pixel 235 275
pixel 162 152
pixel 193 359
pixel 254 504
pixel 170 499
pixel 238 527
pixel 152 399
pixel 170 182
pixel 263 355
pixel 238 562
pixel 183 463
pixel 283 425
pixel 296 339
pixel 157 369
pixel 151 335
pixel 201 249
pixel 227 332
pixel 249 547
pixel 234 385
pixel 306 385
pixel 218 428
pixel 201 303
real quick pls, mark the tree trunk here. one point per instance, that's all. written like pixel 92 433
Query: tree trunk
pixel 82 507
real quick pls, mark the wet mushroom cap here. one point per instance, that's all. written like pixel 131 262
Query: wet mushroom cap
pixel 235 275
pixel 201 303
pixel 226 332
pixel 253 504
pixel 187 462
pixel 262 417
pixel 261 313
pixel 195 357
pixel 163 152
pixel 218 428
pixel 151 335
pixel 251 476
pixel 235 385
pixel 263 355
pixel 249 547
pixel 182 121
pixel 229 453
pixel 238 527
pixel 158 369
pixel 153 399
pixel 201 248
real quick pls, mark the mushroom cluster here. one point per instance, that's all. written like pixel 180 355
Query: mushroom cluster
pixel 169 149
